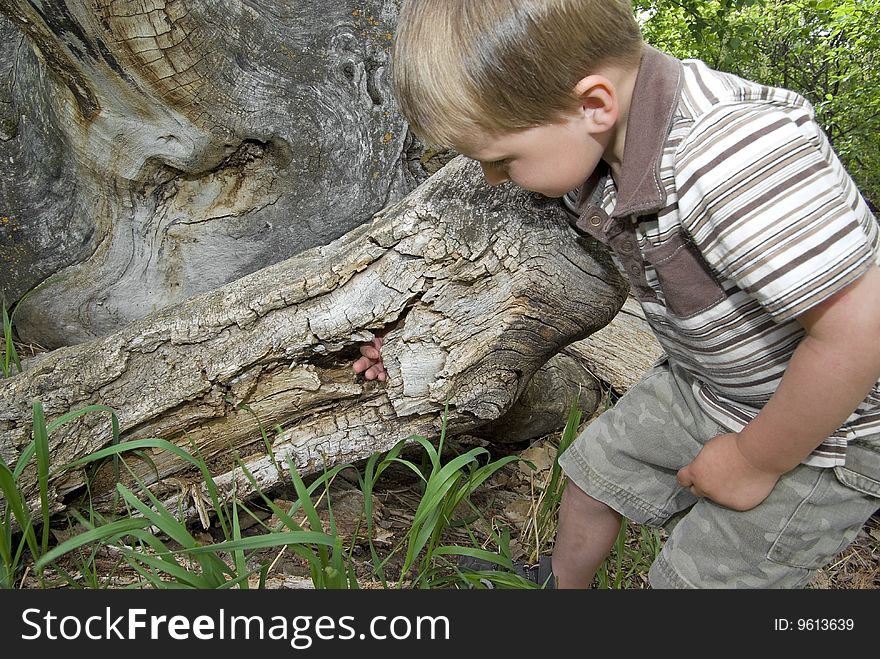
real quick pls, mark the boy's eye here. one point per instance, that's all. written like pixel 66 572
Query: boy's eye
pixel 497 164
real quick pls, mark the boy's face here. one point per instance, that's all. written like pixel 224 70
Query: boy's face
pixel 550 159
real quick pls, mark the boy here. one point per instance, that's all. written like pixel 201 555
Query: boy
pixel 754 257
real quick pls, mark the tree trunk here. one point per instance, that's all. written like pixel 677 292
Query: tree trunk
pixel 155 149
pixel 477 289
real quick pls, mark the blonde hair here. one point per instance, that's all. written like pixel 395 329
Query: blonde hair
pixel 462 67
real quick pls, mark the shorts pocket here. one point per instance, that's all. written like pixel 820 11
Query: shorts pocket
pixel 862 469
pixel 825 522
pixel 688 284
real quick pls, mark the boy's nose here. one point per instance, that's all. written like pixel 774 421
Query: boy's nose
pixel 493 175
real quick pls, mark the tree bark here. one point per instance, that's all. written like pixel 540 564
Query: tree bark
pixel 477 289
pixel 621 352
pixel 151 150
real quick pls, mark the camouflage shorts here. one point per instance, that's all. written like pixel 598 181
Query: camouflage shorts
pixel 629 456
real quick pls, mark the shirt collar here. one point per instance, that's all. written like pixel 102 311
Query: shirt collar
pixel 654 100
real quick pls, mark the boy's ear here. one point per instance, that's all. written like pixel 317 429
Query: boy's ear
pixel 597 99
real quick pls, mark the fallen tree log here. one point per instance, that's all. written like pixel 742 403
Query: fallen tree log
pixel 477 288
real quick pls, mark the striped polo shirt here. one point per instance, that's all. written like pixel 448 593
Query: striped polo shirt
pixel 730 217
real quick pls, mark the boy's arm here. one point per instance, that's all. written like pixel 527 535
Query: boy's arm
pixel 830 373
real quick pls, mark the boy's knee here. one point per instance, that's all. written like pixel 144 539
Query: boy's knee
pixel 577 502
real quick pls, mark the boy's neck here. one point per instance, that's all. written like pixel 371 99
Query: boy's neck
pixel 624 80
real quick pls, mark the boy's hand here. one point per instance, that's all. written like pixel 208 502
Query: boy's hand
pixel 370 362
pixel 720 472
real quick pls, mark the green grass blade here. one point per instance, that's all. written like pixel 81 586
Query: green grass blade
pixel 432 512
pixel 159 517
pixel 23 459
pixel 177 572
pixel 137 444
pixel 10 354
pixel 440 482
pixel 412 467
pixel 242 579
pixel 375 466
pixel 305 500
pixel 213 490
pixel 268 540
pixel 41 445
pixel 492 557
pixel 213 568
pixel 485 472
pixel 267 443
pixel 70 416
pixel 238 554
pixel 31 449
pixel 15 502
pixel 497 578
pixel 102 533
pixel 367 484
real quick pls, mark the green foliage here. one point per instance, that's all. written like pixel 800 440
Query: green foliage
pixel 17 526
pixel 12 545
pixel 10 357
pixel 152 541
pixel 826 50
pixel 447 489
pixel 165 553
pixel 546 515
pixel 329 562
pixel 629 560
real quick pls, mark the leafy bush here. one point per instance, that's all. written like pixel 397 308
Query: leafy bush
pixel 826 50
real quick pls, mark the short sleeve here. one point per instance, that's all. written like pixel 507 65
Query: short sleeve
pixel 770 207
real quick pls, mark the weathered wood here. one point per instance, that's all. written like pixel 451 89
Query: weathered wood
pixel 482 286
pixel 544 406
pixel 155 149
pixel 621 352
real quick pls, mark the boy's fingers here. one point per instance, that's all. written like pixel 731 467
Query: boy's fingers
pixel 374 373
pixel 362 364
pixel 370 362
pixel 684 477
